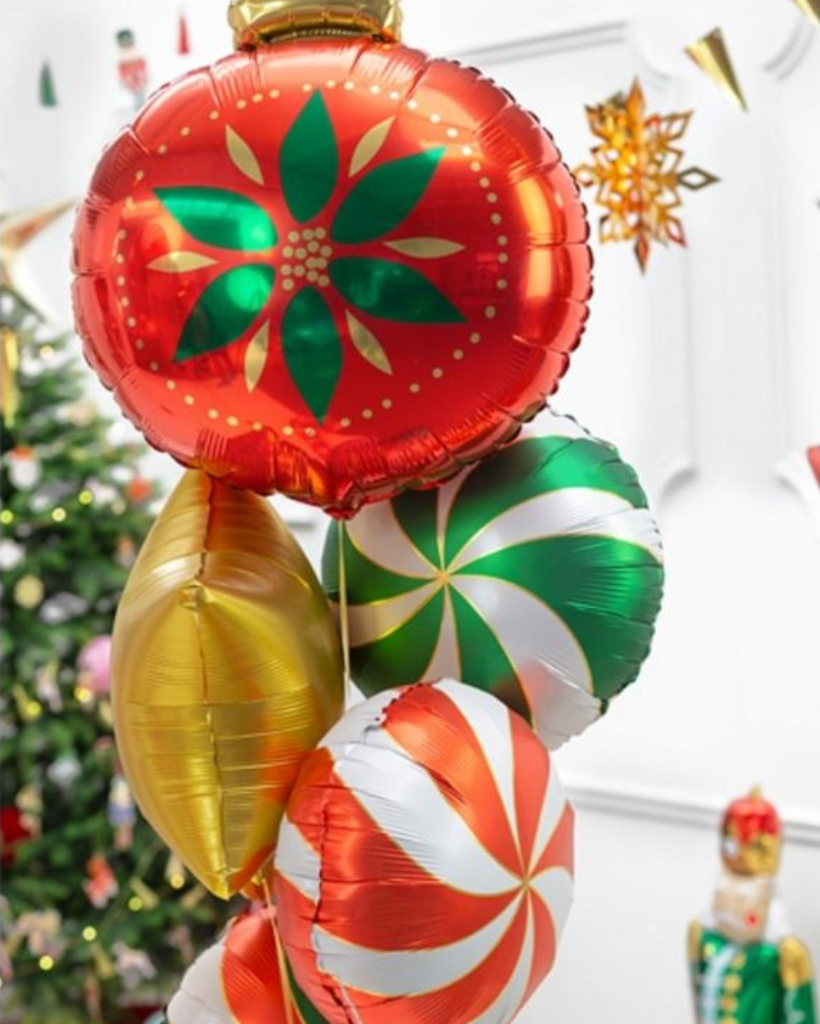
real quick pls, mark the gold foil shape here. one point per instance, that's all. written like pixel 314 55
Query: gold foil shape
pixel 369 145
pixel 636 171
pixel 181 262
pixel 368 345
pixel 256 356
pixel 712 57
pixel 258 21
pixel 243 156
pixel 425 248
pixel 226 672
pixel 811 8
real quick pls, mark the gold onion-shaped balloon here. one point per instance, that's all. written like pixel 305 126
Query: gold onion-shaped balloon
pixel 226 673
pixel 258 21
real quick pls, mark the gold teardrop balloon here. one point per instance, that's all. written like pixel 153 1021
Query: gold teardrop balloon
pixel 226 672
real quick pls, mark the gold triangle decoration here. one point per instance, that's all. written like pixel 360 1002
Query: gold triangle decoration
pixel 711 55
pixel 811 8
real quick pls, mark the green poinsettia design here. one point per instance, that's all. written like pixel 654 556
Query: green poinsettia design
pixel 313 258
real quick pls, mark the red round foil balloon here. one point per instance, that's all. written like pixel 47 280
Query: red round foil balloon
pixel 332 269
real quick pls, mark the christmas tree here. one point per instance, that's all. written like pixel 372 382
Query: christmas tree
pixel 98 919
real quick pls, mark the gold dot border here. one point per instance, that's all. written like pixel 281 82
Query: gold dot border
pixel 452 136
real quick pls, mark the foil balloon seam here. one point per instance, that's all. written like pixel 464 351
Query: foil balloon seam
pixel 285 455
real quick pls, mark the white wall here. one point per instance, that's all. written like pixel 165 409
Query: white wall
pixel 706 373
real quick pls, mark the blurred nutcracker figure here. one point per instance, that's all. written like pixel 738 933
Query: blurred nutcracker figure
pixel 746 966
pixel 133 69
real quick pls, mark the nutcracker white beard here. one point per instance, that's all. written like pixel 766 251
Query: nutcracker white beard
pixel 741 907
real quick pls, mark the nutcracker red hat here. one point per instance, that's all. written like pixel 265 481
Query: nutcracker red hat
pixel 751 836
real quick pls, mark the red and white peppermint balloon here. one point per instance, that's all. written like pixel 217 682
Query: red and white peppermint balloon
pixel 424 868
pixel 238 981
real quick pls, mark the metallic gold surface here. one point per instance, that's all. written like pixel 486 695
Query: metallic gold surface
pixel 711 55
pixel 17 230
pixel 636 169
pixel 693 940
pixel 369 145
pixel 226 673
pixel 181 262
pixel 811 8
pixel 9 365
pixel 243 156
pixel 795 963
pixel 256 356
pixel 367 344
pixel 258 21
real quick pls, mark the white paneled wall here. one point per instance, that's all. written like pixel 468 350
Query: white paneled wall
pixel 706 373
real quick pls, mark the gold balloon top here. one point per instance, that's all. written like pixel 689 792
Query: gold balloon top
pixel 260 21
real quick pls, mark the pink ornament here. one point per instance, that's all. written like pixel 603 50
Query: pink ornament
pixel 94 664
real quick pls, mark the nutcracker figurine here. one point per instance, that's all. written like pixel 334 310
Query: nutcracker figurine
pixel 746 966
pixel 132 67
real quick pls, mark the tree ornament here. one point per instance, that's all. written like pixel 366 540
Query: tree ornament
pixel 711 54
pixel 126 553
pixel 64 772
pixel 133 965
pixel 139 489
pixel 79 414
pixel 536 575
pixel 102 885
pixel 175 871
pixel 122 812
pixel 62 608
pixel 24 467
pixel 29 592
pixel 226 672
pixel 745 951
pixel 94 665
pixel 102 493
pixel 42 931
pixel 47 687
pixel 636 170
pixel 29 801
pixel 180 938
pixel 424 869
pixel 239 980
pixel 11 554
pixel 13 831
pixel 48 93
pixel 372 265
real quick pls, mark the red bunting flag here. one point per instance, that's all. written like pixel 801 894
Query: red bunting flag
pixel 184 42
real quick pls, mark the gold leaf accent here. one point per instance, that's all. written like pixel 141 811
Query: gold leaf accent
pixel 243 156
pixel 369 145
pixel 425 248
pixel 256 356
pixel 367 345
pixel 181 262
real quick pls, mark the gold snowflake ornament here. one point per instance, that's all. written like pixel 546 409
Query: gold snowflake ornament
pixel 636 168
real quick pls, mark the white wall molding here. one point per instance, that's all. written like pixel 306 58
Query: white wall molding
pixel 610 33
pixel 674 808
pixel 794 51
